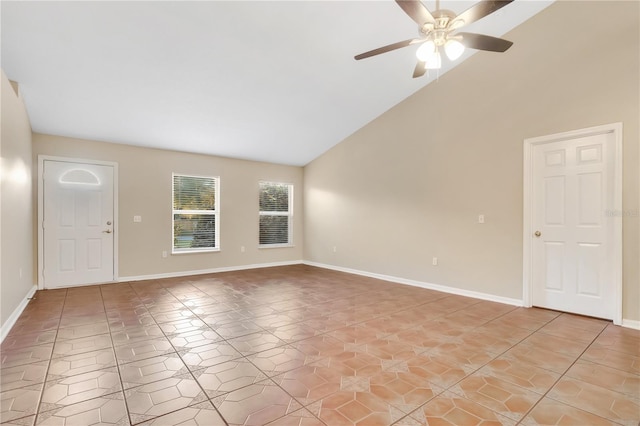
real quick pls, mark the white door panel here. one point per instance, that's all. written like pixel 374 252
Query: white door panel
pixel 572 263
pixel 78 217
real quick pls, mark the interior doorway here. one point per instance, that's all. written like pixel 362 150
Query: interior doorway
pixel 572 236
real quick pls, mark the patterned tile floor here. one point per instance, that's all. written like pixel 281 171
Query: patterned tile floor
pixel 304 346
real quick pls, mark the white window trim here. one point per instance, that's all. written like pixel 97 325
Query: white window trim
pixel 215 212
pixel 289 214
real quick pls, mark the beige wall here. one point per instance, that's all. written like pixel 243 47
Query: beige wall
pixel 405 188
pixel 145 190
pixel 410 185
pixel 16 258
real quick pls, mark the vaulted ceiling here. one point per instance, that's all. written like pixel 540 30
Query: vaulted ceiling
pixel 271 81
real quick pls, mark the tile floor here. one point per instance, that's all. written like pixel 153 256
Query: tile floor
pixel 305 346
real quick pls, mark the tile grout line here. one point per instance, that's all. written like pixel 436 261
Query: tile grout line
pixel 532 332
pixel 444 315
pixel 246 357
pixel 329 301
pixel 55 341
pixel 268 377
pixel 144 384
pixel 115 358
pixel 610 366
pixel 516 344
pixel 167 336
pixel 398 362
pixel 112 348
pixel 369 315
pixel 346 326
pixel 286 343
pixel 118 366
pixel 562 376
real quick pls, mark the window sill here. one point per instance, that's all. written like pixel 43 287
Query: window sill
pixel 270 246
pixel 192 251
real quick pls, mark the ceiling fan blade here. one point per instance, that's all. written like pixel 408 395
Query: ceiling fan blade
pixel 421 68
pixel 479 11
pixel 387 48
pixel 485 42
pixel 416 11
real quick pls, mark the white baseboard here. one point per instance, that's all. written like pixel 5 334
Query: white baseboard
pixel 6 327
pixel 631 324
pixel 208 271
pixel 430 286
pixel 9 323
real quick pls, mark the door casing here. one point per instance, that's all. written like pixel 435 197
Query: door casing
pixel 41 160
pixel 527 237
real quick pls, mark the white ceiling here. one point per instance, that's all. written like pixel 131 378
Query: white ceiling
pixel 271 81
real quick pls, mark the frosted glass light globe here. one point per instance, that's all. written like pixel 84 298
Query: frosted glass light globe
pixel 425 51
pixel 453 49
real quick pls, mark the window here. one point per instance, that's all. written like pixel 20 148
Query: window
pixel 276 214
pixel 195 213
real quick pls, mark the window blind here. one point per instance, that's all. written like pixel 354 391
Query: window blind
pixel 195 213
pixel 276 213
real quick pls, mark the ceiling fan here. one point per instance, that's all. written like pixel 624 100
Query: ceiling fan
pixel 440 30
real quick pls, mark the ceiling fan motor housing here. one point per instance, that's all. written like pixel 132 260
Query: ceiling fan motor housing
pixel 438 31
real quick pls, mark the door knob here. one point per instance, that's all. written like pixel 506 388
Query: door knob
pixel 537 233
pixel 108 231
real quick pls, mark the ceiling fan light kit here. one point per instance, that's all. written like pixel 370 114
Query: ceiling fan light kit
pixel 453 49
pixel 426 50
pixel 438 31
pixel 434 61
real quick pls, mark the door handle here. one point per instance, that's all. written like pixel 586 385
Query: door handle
pixel 108 231
pixel 537 234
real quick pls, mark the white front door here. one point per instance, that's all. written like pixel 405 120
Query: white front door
pixel 78 224
pixel 572 262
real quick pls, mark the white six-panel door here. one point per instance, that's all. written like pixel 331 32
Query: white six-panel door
pixel 78 224
pixel 572 262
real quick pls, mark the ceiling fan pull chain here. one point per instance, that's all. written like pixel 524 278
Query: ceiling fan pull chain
pixel 437 75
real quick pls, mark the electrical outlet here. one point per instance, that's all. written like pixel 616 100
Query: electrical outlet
pixel 137 218
pixel 164 253
pixel 241 249
pixel 481 218
pixel 335 249
pixel 434 261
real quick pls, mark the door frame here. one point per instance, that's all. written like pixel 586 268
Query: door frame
pixel 41 160
pixel 527 241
